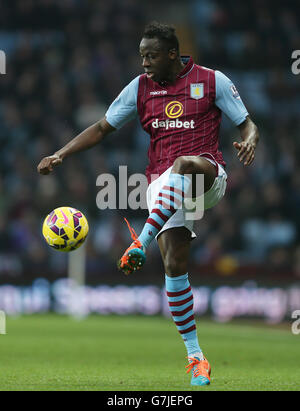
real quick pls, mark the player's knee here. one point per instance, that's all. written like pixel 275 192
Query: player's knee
pixel 187 165
pixel 183 165
pixel 174 266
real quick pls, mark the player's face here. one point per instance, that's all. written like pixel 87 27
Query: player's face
pixel 155 59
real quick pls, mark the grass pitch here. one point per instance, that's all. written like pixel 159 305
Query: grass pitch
pixel 135 353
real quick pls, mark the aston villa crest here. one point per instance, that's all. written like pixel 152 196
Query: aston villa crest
pixel 197 90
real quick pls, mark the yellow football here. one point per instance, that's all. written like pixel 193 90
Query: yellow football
pixel 65 229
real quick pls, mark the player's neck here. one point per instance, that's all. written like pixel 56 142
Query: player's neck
pixel 175 70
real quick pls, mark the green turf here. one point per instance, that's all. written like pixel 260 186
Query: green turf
pixel 115 353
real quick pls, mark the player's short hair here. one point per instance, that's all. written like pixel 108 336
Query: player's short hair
pixel 163 32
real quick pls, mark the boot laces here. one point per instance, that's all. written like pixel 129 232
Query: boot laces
pixel 125 260
pixel 199 367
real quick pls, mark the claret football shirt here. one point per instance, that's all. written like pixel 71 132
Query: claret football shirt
pixel 182 118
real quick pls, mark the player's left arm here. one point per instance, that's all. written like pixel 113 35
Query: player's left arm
pixel 230 102
pixel 250 137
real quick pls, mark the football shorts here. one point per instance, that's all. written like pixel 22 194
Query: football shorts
pixel 206 201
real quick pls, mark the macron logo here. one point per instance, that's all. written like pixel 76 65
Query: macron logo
pixel 158 93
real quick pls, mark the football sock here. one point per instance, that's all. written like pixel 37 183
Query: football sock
pixel 169 200
pixel 180 299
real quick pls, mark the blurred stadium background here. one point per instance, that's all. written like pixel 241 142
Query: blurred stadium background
pixel 66 62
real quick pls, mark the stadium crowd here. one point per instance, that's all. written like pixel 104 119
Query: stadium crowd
pixel 66 61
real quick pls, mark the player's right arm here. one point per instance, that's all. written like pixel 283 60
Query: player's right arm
pixel 88 138
pixel 122 110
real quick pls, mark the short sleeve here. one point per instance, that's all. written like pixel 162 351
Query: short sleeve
pixel 124 107
pixel 228 99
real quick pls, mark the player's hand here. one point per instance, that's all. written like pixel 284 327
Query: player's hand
pixel 48 163
pixel 246 151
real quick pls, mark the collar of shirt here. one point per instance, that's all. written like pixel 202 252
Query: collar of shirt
pixel 188 61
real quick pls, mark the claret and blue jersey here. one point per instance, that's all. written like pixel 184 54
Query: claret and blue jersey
pixel 182 118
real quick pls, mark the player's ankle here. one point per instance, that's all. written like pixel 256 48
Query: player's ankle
pixel 144 246
pixel 198 354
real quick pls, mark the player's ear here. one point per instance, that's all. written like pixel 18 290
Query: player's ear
pixel 173 54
